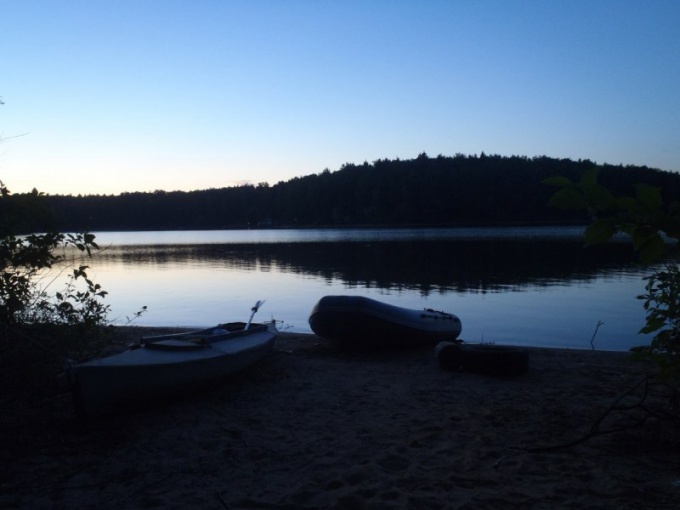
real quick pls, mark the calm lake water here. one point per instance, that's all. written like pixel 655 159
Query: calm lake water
pixel 521 286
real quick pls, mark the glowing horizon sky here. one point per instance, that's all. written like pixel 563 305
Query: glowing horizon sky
pixel 109 97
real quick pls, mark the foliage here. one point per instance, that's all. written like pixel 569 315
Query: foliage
pixel 653 228
pixel 27 262
pixel 662 304
pixel 642 216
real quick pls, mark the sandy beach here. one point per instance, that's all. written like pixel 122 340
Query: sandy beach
pixel 317 426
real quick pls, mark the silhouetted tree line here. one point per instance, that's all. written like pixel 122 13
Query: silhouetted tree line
pixel 441 191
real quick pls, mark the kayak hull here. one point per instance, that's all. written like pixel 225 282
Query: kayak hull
pixel 167 366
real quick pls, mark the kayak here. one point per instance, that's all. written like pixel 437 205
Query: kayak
pixel 167 365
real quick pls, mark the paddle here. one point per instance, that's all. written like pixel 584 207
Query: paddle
pixel 254 309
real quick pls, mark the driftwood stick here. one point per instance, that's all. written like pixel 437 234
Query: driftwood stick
pixel 592 340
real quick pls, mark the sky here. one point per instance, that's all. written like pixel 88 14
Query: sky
pixel 106 97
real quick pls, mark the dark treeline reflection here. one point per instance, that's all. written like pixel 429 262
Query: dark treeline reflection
pixel 488 265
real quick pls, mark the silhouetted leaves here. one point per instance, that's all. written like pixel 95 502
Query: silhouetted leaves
pixel 646 220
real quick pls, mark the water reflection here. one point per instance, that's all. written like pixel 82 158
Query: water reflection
pixel 488 265
pixel 520 286
pixel 332 235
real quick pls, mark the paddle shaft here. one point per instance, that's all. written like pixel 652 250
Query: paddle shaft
pixel 254 309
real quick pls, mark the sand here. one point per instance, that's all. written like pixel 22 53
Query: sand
pixel 316 426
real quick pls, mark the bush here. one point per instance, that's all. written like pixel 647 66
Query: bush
pixel 28 261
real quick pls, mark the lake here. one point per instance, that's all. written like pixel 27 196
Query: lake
pixel 534 286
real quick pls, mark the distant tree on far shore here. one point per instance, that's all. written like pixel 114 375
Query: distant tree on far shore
pixel 425 191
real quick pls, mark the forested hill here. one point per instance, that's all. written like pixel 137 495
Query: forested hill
pixel 441 191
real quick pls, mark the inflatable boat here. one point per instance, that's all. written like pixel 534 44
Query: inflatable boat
pixel 361 320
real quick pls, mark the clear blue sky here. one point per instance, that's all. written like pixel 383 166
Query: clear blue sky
pixel 103 97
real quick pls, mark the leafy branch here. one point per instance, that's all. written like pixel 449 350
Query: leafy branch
pixel 654 230
pixel 642 215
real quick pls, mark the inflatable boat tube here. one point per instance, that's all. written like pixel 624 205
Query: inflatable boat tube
pixel 361 320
